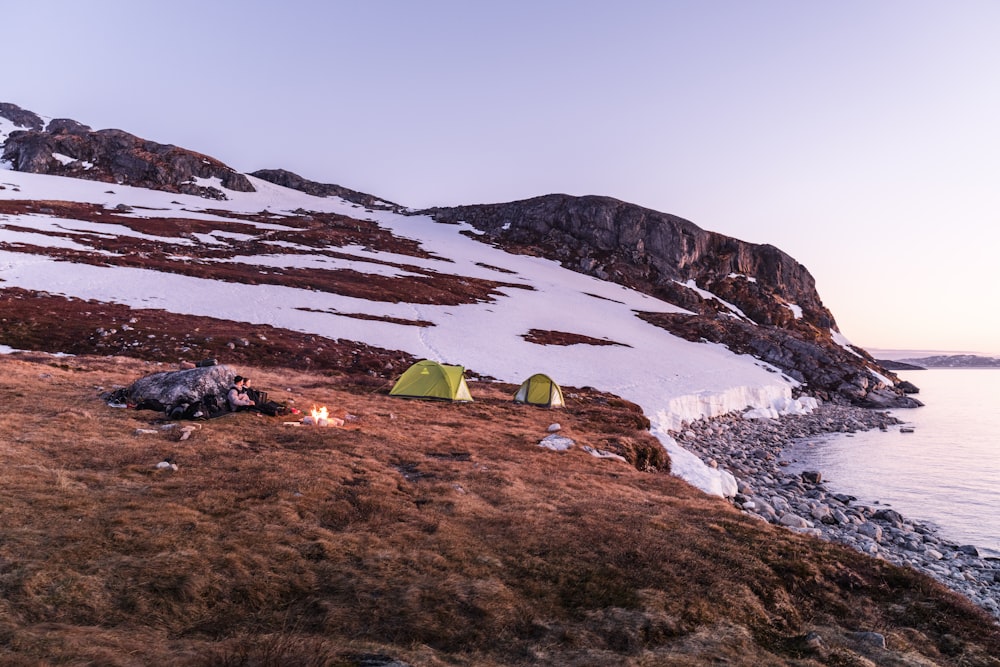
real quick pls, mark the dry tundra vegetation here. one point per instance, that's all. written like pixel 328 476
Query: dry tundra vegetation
pixel 426 533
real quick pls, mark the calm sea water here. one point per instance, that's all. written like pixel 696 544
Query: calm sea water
pixel 947 472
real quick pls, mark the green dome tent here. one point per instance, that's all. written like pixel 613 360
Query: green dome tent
pixel 540 389
pixel 431 380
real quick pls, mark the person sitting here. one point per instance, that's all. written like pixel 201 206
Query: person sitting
pixel 237 396
pixel 258 397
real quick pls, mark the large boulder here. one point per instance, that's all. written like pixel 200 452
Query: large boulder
pixel 173 391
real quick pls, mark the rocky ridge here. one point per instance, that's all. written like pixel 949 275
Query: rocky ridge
pixel 21 117
pixel 291 180
pixel 752 298
pixel 752 451
pixel 66 147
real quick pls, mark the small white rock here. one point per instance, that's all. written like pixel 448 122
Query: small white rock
pixel 556 443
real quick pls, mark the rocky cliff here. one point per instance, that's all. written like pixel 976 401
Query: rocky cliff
pixel 753 298
pixel 288 179
pixel 64 147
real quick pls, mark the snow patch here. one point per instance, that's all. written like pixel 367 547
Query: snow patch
pixel 841 340
pixel 783 407
pixel 705 294
pixel 744 277
pixel 694 471
pixel 213 182
pixel 321 262
pixel 65 160
pixel 881 378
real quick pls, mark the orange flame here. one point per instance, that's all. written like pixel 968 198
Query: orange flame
pixel 319 413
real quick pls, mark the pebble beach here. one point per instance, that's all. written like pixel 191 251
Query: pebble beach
pixel 753 451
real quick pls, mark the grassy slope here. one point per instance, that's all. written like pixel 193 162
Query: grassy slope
pixel 435 533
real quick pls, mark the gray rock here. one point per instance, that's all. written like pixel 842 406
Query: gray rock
pixel 764 509
pixel 888 516
pixel 557 443
pixel 67 126
pixel 793 521
pixel 821 512
pixel 170 389
pixel 872 530
pixel 812 476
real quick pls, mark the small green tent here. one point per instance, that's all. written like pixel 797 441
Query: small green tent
pixel 429 379
pixel 540 389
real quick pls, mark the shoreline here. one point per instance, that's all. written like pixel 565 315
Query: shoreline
pixel 751 449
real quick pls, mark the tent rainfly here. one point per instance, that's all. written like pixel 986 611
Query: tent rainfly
pixel 540 389
pixel 431 380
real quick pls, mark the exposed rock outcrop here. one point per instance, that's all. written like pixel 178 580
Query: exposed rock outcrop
pixel 753 298
pixel 68 148
pixel 830 371
pixel 291 180
pixel 21 117
pixel 654 252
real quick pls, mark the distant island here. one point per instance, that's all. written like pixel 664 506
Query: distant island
pixel 941 361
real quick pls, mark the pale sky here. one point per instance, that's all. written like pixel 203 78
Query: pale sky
pixel 860 136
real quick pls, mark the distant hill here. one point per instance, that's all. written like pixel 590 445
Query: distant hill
pixel 896 365
pixel 953 361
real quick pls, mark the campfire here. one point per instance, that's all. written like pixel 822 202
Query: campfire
pixel 321 417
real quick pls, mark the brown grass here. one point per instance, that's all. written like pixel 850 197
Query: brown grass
pixel 544 337
pixel 321 233
pixel 434 533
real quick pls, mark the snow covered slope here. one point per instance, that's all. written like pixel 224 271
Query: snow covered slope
pixel 672 379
